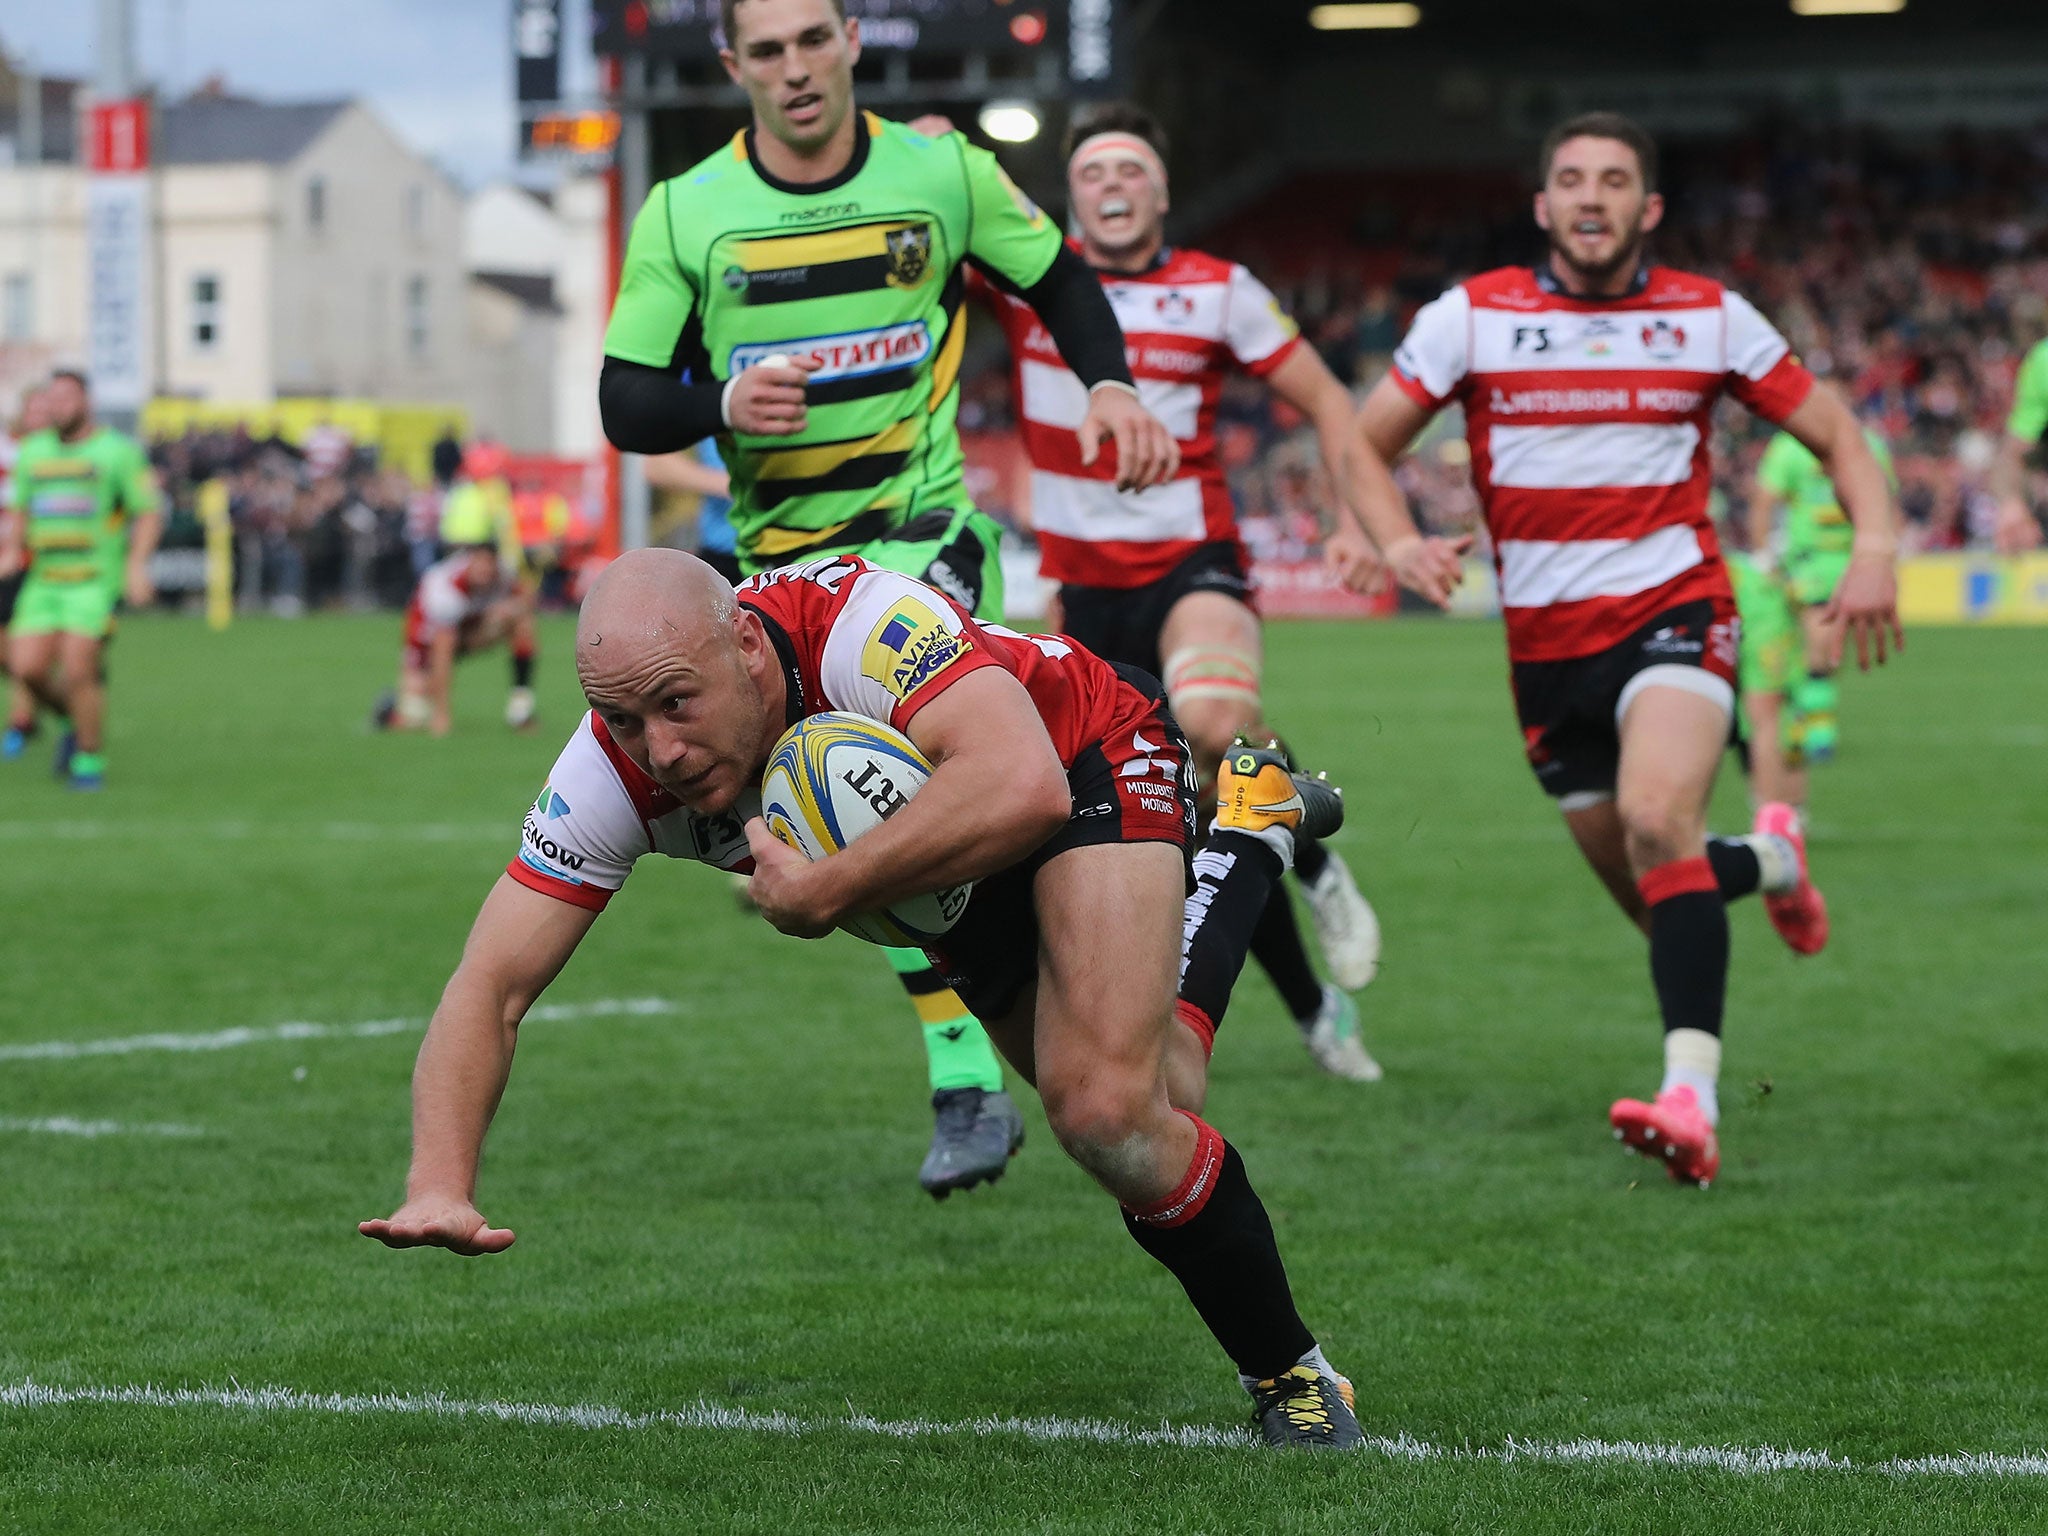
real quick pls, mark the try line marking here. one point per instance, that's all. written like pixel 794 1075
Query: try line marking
pixel 229 1039
pixel 65 1125
pixel 28 1396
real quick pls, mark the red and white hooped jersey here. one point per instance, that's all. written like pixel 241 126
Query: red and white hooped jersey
pixel 443 599
pixel 851 637
pixel 1187 321
pixel 1588 421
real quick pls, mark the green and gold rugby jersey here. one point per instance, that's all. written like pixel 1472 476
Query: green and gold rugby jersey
pixel 1815 523
pixel 75 500
pixel 728 266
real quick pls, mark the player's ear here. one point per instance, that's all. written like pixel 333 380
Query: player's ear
pixel 853 39
pixel 1653 211
pixel 731 61
pixel 1542 210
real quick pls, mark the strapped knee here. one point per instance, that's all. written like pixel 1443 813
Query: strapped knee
pixel 1213 672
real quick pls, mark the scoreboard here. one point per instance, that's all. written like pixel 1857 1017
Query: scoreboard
pixel 689 27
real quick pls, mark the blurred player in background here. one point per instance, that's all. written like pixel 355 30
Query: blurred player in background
pixel 21 704
pixel 2018 530
pixel 87 519
pixel 1588 385
pixel 1059 784
pixel 701 473
pixel 1158 578
pixel 798 296
pixel 477 509
pixel 1810 552
pixel 461 606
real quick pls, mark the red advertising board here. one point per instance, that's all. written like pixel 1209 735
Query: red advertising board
pixel 119 134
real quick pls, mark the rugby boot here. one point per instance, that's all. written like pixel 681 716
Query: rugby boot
pixel 1801 914
pixel 1258 792
pixel 1304 1408
pixel 1333 1040
pixel 384 710
pixel 1346 926
pixel 14 743
pixel 1674 1131
pixel 974 1135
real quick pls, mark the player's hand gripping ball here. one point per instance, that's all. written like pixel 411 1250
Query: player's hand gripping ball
pixel 834 777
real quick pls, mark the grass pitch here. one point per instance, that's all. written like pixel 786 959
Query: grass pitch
pixel 714 1190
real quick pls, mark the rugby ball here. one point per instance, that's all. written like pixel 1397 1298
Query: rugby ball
pixel 835 776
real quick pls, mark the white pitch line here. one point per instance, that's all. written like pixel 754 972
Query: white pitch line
pixel 265 831
pixel 229 1039
pixel 65 1125
pixel 27 1395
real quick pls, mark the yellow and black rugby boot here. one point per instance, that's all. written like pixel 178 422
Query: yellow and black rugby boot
pixel 1257 790
pixel 1303 1407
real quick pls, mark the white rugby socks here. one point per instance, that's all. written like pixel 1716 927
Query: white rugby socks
pixel 1692 1059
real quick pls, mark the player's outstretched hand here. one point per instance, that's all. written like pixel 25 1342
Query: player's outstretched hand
pixel 2016 532
pixel 781 887
pixel 1866 605
pixel 767 400
pixel 1146 453
pixel 1429 567
pixel 1352 559
pixel 439 1221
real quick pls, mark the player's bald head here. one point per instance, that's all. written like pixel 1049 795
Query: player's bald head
pixel 653 601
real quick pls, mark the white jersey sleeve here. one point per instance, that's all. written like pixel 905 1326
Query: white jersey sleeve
pixel 1436 354
pixel 442 600
pixel 894 644
pixel 583 833
pixel 1754 346
pixel 1257 330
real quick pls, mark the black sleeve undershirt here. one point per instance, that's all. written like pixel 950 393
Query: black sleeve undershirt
pixel 650 410
pixel 1076 313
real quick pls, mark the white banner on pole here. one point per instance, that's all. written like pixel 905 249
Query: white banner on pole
pixel 117 242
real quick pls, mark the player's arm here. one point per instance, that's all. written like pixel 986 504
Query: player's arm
pixel 997 791
pixel 145 529
pixel 521 941
pixel 1386 424
pixel 1765 496
pixel 2018 529
pixel 441 678
pixel 1867 599
pixel 686 472
pixel 1305 382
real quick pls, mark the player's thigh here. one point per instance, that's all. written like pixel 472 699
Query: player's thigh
pixel 1672 741
pixel 78 657
pixel 31 652
pixel 1109 919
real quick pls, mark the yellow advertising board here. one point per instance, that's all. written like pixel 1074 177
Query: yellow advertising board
pixel 1974 589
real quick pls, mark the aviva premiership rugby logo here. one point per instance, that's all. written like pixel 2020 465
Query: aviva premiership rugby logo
pixel 910 254
pixel 909 648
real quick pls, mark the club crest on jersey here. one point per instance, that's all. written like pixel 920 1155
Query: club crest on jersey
pixel 910 254
pixel 1175 306
pixel 1663 340
pixel 909 648
pixel 1599 336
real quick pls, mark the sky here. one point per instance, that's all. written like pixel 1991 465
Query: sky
pixel 439 71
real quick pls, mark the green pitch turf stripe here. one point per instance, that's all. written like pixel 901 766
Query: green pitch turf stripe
pixel 28 1395
pixel 229 1039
